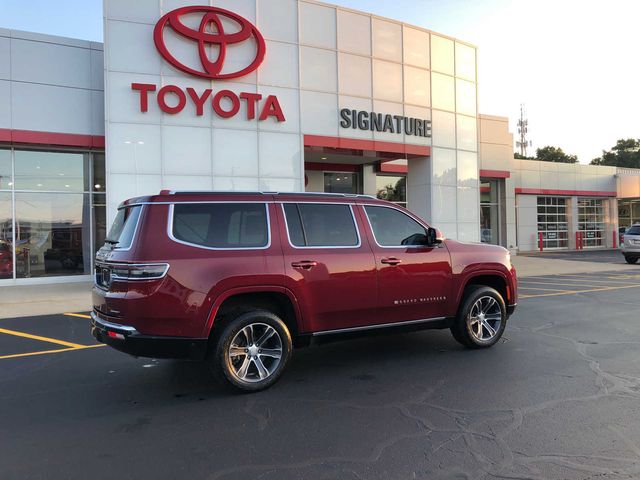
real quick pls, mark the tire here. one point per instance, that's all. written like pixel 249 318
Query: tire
pixel 237 359
pixel 631 260
pixel 468 328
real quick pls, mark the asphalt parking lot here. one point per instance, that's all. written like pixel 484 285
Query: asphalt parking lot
pixel 558 398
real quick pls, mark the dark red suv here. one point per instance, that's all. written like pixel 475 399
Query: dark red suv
pixel 237 279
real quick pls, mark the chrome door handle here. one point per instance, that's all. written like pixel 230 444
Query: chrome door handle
pixel 304 264
pixel 391 261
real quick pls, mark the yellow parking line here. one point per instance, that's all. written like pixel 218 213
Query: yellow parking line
pixel 573 292
pixel 556 283
pixel 79 315
pixel 589 278
pixel 46 352
pixel 42 339
pixel 522 287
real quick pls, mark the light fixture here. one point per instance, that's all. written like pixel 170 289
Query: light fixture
pixel 140 143
pixel 323 158
pixel 97 185
pixel 127 142
pixel 39 185
pixel 66 186
pixel 61 174
pixel 11 184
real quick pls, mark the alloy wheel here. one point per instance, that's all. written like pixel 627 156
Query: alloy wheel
pixel 485 318
pixel 255 352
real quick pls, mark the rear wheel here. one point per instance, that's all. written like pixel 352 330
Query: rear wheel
pixel 482 318
pixel 252 351
pixel 631 260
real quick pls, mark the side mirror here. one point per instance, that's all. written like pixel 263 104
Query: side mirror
pixel 434 237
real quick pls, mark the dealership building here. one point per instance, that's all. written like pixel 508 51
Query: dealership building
pixel 268 95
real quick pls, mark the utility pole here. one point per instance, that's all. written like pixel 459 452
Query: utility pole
pixel 523 127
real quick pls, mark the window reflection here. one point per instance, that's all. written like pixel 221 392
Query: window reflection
pixel 51 171
pixel 6 236
pixel 52 232
pixel 6 181
pixel 392 189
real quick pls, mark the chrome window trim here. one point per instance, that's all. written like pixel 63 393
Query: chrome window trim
pixel 135 231
pixel 398 210
pixel 331 247
pixel 204 247
pixel 379 325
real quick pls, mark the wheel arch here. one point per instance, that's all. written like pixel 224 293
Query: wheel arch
pixel 494 279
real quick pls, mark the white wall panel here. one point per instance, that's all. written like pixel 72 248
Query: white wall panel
pixel 5 58
pixel 387 81
pixel 421 113
pixel 290 102
pixel 416 47
pixel 280 68
pixel 134 148
pixel 123 104
pixel 49 108
pixel 354 33
pixel 443 94
pixel 278 19
pixel 465 62
pixel 354 75
pixel 417 86
pixel 187 182
pixel 50 64
pixel 444 129
pixel 186 150
pixel 318 69
pixel 390 109
pixel 132 48
pixel 280 155
pixel 468 205
pixel 317 25
pixel 97 69
pixel 244 8
pixel 97 113
pixel 444 167
pixel 467 169
pixel 466 131
pixel 143 11
pixel 320 113
pixel 237 184
pixel 444 200
pixel 281 185
pixel 442 55
pixel 235 153
pixel 5 100
pixel 387 40
pixel 465 97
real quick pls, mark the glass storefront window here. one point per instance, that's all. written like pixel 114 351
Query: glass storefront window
pixel 6 177
pixel 59 204
pixel 490 211
pixel 341 182
pixel 392 189
pixel 6 236
pixel 52 234
pixel 51 171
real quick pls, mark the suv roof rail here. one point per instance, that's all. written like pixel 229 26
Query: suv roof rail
pixel 303 194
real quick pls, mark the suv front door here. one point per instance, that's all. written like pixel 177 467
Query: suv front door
pixel 414 279
pixel 329 267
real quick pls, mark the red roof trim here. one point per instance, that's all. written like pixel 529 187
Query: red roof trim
pixel 29 137
pixel 495 174
pixel 372 145
pixel 386 167
pixel 565 193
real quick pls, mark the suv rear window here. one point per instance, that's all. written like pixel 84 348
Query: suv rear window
pixel 321 225
pixel 124 227
pixel 221 225
pixel 634 230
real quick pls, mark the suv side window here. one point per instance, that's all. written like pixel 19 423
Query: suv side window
pixel 393 228
pixel 221 225
pixel 321 225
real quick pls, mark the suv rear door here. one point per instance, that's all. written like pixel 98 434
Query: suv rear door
pixel 328 265
pixel 414 280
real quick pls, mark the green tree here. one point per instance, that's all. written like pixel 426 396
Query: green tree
pixel 625 153
pixel 517 156
pixel 554 154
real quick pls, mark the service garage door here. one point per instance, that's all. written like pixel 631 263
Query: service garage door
pixel 552 222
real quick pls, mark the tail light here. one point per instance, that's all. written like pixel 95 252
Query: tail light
pixel 106 273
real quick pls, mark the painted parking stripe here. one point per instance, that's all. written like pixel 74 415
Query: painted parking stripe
pixel 42 339
pixel 578 280
pixel 48 352
pixel 521 287
pixel 79 315
pixel 603 289
pixel 559 284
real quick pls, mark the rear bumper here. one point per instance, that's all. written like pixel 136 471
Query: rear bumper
pixel 635 253
pixel 128 340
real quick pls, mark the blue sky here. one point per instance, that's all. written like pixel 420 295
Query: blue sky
pixel 571 62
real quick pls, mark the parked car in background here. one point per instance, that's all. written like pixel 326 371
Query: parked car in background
pixel 238 279
pixel 630 247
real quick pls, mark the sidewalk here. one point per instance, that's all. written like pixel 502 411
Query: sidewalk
pixel 531 266
pixel 31 300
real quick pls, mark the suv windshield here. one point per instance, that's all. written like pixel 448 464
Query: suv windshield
pixel 634 230
pixel 124 227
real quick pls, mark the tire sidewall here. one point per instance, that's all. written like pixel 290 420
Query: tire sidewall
pixel 470 299
pixel 222 363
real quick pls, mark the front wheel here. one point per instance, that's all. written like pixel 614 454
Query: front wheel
pixel 252 351
pixel 631 260
pixel 482 318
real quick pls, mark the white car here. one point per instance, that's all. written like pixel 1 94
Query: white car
pixel 630 246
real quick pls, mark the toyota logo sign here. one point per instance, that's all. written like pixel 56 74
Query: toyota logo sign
pixel 211 32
